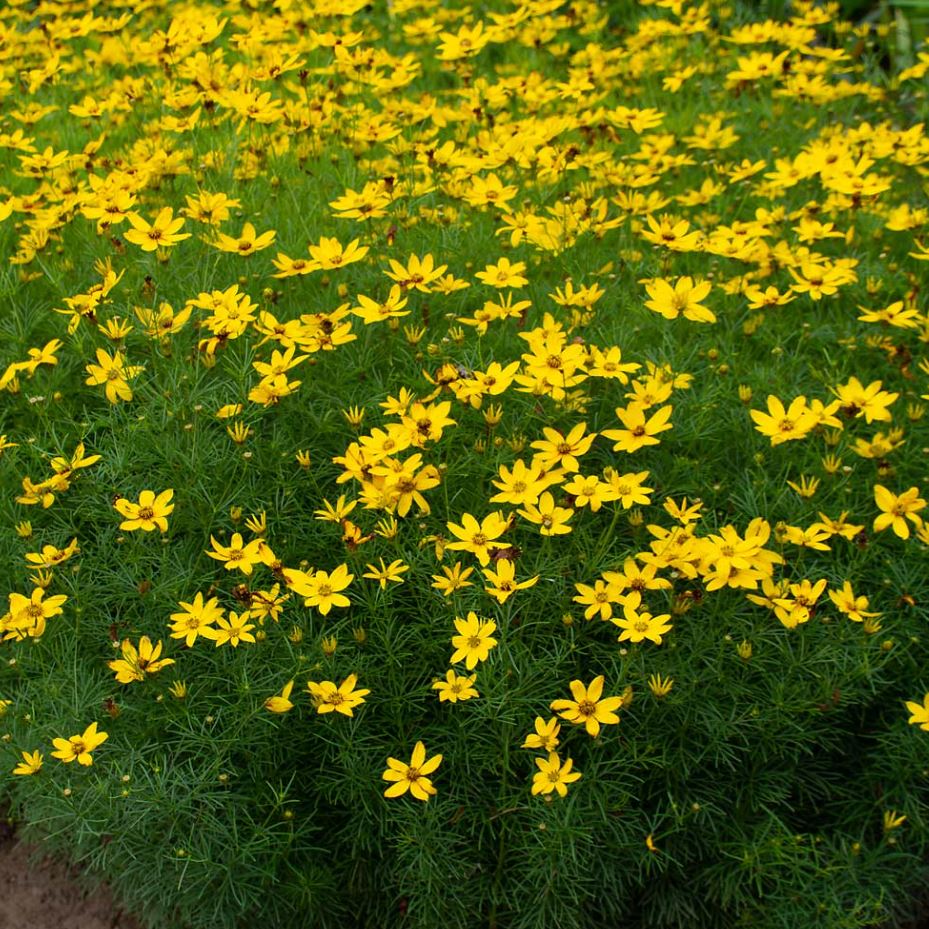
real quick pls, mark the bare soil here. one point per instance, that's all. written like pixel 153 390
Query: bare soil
pixel 42 893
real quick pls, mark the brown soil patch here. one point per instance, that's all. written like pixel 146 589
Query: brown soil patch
pixel 42 893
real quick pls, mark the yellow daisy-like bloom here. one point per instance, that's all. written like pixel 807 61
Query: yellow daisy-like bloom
pixel 161 233
pixel 474 640
pixel 280 703
pixel 553 775
pixel 919 713
pixel 149 513
pixel 896 510
pixel 79 747
pixel 31 763
pixel 27 615
pixel 337 698
pixel 589 708
pixel 456 687
pixel 683 298
pixel 136 663
pixel 412 777
pixel 196 619
pixel 321 589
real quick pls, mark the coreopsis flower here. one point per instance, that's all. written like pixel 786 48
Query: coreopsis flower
pixel 553 775
pixel 232 630
pixel 854 607
pixel 545 735
pixel 197 618
pixel 456 687
pixel 504 274
pixel 590 491
pixel 330 254
pixel 418 273
pixel 79 747
pixel 452 579
pixel 474 640
pixel 321 589
pixel 412 777
pixel 919 713
pixel 466 43
pixel 784 425
pixel 628 488
pixel 797 608
pixel 247 243
pixel 684 297
pixel 28 615
pixel 503 583
pixel 163 232
pixel 896 510
pixel 237 554
pixel 371 311
pixel 114 374
pixel 521 485
pixel 337 698
pixel 637 626
pixel 136 663
pixel 589 708
pixel 50 556
pixel 598 599
pixel 280 703
pixel 660 686
pixel 870 402
pixel 640 429
pixel 149 513
pixel 268 603
pixel 385 573
pixel 370 203
pixel 551 519
pixel 31 764
pixel 478 538
pixel 562 451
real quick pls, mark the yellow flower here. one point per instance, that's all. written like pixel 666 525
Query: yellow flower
pixel 237 554
pixel 246 244
pixel 545 735
pixel 339 698
pixel 280 703
pixel 31 763
pixel 919 713
pixel 196 619
pixel 588 708
pixel 636 626
pixel 503 580
pixel 456 687
pixel 640 430
pixel 474 640
pixel 553 775
pixel 321 588
pixel 896 510
pixel 79 747
pixel 682 298
pixel 386 573
pixel 234 629
pixel 892 820
pixel 783 425
pixel 136 663
pixel 163 232
pixel 452 579
pixel 660 686
pixel 148 514
pixel 412 777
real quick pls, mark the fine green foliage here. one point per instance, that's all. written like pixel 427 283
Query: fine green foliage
pixel 465 465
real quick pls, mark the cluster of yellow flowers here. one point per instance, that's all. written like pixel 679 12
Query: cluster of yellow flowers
pixel 224 101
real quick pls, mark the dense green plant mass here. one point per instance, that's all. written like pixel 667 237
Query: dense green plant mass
pixel 465 465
